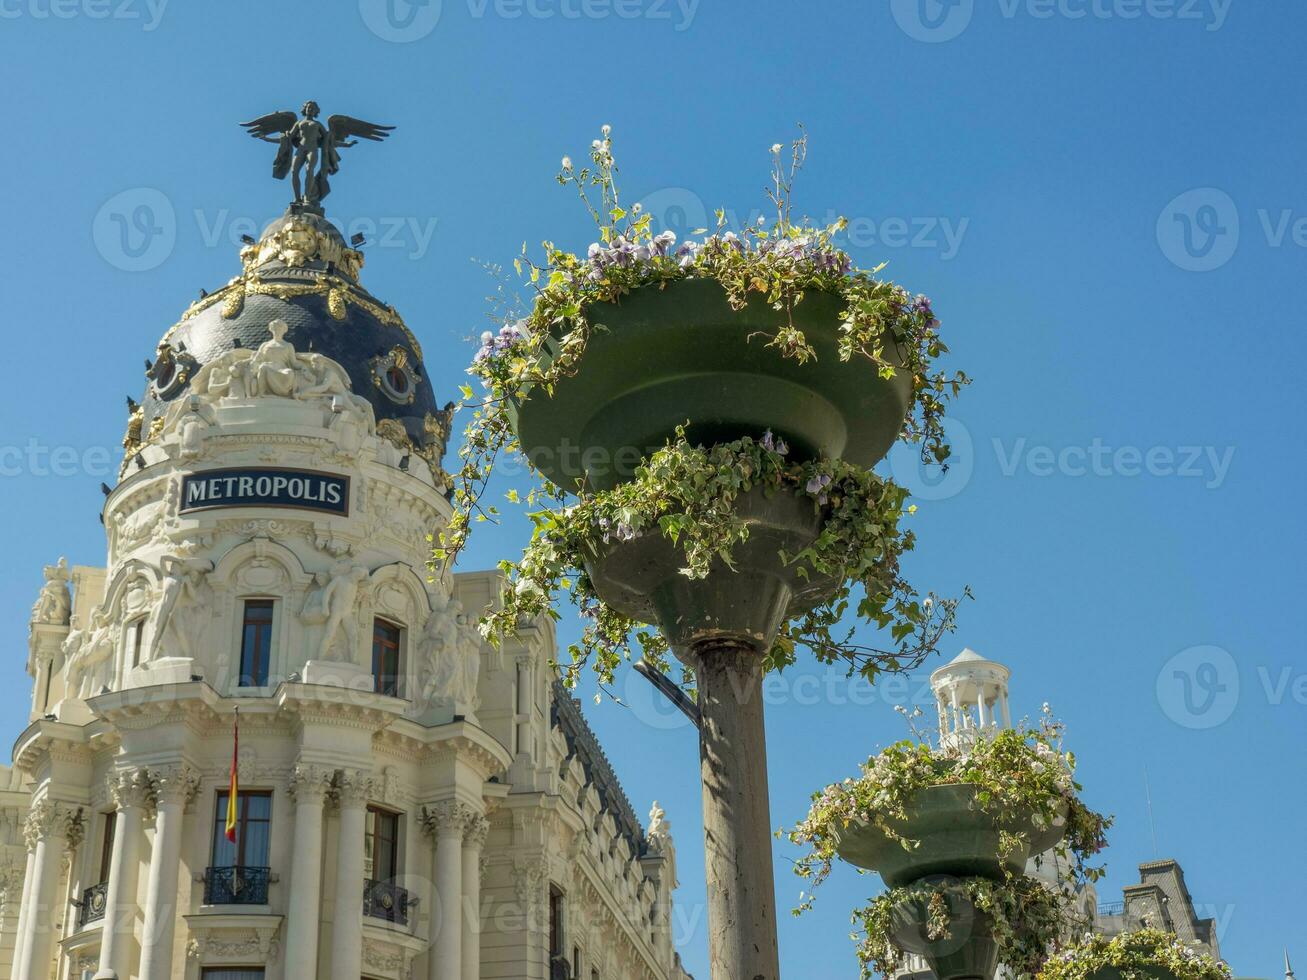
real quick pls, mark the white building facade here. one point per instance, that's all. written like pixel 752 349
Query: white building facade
pixel 412 802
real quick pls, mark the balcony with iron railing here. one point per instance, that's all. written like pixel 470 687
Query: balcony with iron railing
pixel 386 901
pixel 236 886
pixel 91 907
pixel 1110 908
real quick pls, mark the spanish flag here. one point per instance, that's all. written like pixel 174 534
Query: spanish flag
pixel 232 790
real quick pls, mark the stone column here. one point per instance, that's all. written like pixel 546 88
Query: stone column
pixel 173 788
pixel 353 787
pixel 52 828
pixel 982 712
pixel 1007 717
pixel 445 823
pixel 23 908
pixel 131 790
pixel 475 829
pixel 308 785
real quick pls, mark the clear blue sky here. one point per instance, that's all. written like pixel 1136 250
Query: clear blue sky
pixel 1022 161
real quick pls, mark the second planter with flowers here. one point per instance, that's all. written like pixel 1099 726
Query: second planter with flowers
pixel 950 829
pixel 705 416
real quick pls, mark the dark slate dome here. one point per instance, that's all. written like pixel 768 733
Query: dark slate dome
pixel 303 272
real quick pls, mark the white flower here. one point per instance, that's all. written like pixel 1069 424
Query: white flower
pixel 637 207
pixel 605 129
pixel 567 163
pixel 776 148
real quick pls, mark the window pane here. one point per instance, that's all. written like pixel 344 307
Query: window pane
pixel 106 849
pixel 386 639
pixel 256 642
pixel 253 815
pixel 227 973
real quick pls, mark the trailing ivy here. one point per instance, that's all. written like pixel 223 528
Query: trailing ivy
pixel 1138 955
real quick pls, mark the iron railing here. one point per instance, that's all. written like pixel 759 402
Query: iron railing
pixel 93 902
pixel 1111 908
pixel 386 900
pixel 236 886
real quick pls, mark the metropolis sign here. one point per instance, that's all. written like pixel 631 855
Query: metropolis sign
pixel 265 487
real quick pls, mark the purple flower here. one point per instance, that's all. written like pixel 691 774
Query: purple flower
pixel 768 442
pixel 818 483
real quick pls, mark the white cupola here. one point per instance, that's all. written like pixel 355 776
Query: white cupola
pixel 971 695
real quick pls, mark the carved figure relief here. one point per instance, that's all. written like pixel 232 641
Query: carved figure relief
pixel 334 603
pixel 54 606
pixel 183 605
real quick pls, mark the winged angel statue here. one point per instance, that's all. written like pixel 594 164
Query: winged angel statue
pixel 306 143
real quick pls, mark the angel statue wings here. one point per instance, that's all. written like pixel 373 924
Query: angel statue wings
pixel 304 144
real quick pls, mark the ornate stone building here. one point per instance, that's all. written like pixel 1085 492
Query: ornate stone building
pixel 412 801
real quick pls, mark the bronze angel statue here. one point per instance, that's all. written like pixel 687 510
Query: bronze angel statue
pixel 306 143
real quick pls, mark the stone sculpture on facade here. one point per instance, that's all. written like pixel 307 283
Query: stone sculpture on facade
pixel 54 605
pixel 181 625
pixel 450 656
pixel 88 667
pixel 334 603
pixel 276 370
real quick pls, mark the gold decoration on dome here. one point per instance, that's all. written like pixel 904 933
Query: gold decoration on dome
pixel 132 437
pixel 156 426
pixel 297 243
pixel 232 296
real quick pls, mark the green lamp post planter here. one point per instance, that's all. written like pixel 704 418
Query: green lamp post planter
pixel 950 830
pixel 704 417
pixel 678 352
pixel 952 835
pixel 1145 954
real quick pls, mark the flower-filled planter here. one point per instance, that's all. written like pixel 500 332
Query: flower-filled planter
pixel 950 834
pixel 1145 954
pixel 951 827
pixel 654 385
pixel 677 350
pixel 963 927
